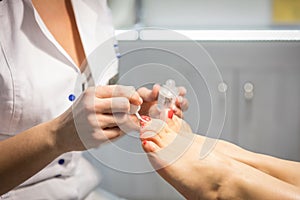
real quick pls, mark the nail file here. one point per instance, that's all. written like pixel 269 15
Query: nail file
pixel 139 117
pixel 135 110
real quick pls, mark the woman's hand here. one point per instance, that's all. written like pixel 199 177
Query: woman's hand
pixel 98 115
pixel 150 101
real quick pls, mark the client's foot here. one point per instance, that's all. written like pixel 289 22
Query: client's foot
pixel 176 157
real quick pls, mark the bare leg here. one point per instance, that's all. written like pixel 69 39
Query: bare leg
pixel 287 171
pixel 216 176
pixel 284 170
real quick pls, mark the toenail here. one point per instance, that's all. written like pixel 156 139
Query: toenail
pixel 170 114
pixel 142 123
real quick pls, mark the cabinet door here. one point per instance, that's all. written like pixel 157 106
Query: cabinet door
pixel 270 121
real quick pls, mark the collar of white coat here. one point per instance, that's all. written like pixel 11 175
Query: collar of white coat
pixel 93 21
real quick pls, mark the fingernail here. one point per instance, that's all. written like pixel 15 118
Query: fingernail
pixel 141 100
pixel 180 99
pixel 144 142
pixel 170 114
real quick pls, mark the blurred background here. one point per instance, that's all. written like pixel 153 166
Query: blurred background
pixel 202 14
pixel 255 45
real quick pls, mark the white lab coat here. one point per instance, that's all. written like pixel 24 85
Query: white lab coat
pixel 36 78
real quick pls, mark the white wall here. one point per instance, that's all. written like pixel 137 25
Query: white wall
pixel 195 14
pixel 198 13
pixel 123 12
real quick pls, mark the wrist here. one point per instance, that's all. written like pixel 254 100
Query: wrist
pixel 54 131
pixel 62 129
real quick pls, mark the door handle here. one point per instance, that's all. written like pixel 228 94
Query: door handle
pixel 248 90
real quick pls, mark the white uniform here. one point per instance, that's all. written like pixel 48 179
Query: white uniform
pixel 36 78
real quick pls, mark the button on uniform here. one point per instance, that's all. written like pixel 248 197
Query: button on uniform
pixel 61 161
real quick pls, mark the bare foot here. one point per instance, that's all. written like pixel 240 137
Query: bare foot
pixel 176 157
pixel 219 175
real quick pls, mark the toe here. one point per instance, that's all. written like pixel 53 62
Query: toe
pixel 149 146
pixel 151 136
pixel 154 131
pixel 145 121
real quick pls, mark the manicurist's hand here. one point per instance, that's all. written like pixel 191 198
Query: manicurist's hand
pixel 100 114
pixel 150 101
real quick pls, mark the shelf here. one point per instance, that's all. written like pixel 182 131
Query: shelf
pixel 210 35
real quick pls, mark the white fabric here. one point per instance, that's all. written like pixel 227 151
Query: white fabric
pixel 100 194
pixel 36 78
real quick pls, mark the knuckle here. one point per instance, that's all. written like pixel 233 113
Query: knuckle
pixel 127 91
pixel 90 91
pixel 88 105
pixel 142 89
pixel 130 89
pixel 91 119
pixel 100 90
pixel 102 105
pixel 122 118
pixel 116 90
pixel 124 104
